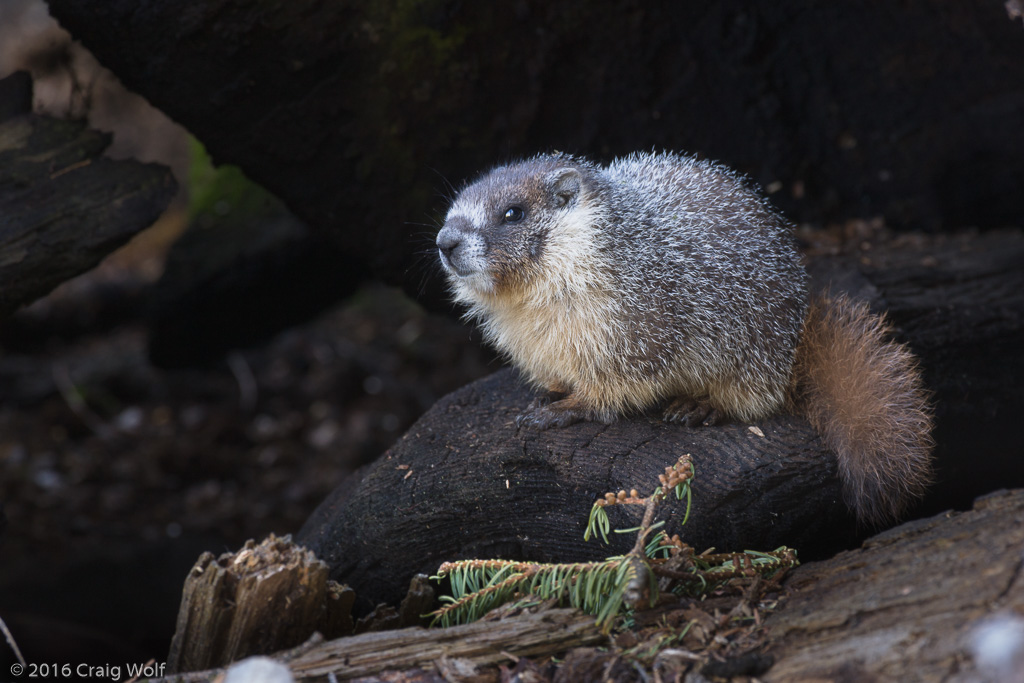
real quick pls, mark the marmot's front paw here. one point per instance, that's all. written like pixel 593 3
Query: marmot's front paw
pixel 558 414
pixel 692 413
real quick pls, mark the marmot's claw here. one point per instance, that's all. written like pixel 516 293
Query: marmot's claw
pixel 692 413
pixel 713 418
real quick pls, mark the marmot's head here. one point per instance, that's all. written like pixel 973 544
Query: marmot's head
pixel 500 229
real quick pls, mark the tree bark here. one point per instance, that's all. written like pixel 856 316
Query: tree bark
pixel 911 604
pixel 63 206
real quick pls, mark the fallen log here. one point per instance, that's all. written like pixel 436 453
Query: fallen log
pixel 483 643
pixel 63 206
pixel 915 603
pixel 464 648
pixel 466 482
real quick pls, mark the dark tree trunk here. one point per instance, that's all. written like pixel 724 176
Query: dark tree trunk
pixel 355 114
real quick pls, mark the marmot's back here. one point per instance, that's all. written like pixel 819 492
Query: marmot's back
pixel 721 265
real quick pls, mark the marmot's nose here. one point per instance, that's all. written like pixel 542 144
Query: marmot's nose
pixel 448 240
pixel 453 234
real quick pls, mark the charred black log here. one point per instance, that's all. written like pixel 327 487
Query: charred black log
pixel 63 206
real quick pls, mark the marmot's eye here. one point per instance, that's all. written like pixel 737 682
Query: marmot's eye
pixel 514 214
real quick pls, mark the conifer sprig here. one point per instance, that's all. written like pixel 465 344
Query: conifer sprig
pixel 605 588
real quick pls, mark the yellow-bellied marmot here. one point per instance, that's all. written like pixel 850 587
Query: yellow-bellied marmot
pixel 664 280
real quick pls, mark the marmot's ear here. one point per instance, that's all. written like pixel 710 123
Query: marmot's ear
pixel 564 185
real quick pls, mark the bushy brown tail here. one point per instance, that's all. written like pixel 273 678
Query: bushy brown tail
pixel 864 395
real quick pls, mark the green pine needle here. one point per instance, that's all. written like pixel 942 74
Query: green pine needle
pixel 601 588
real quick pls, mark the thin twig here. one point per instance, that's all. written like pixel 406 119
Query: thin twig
pixel 748 601
pixel 645 527
pixel 10 641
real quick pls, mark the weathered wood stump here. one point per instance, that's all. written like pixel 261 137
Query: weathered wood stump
pixel 263 598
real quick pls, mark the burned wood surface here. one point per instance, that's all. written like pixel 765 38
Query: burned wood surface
pixel 63 207
pixel 466 482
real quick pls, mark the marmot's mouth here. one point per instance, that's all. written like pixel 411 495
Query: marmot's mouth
pixel 459 269
pixel 461 249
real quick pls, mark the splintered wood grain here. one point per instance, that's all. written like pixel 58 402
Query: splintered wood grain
pixel 483 643
pixel 471 650
pixel 263 598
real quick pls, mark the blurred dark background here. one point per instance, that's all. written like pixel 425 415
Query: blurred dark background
pixel 283 322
